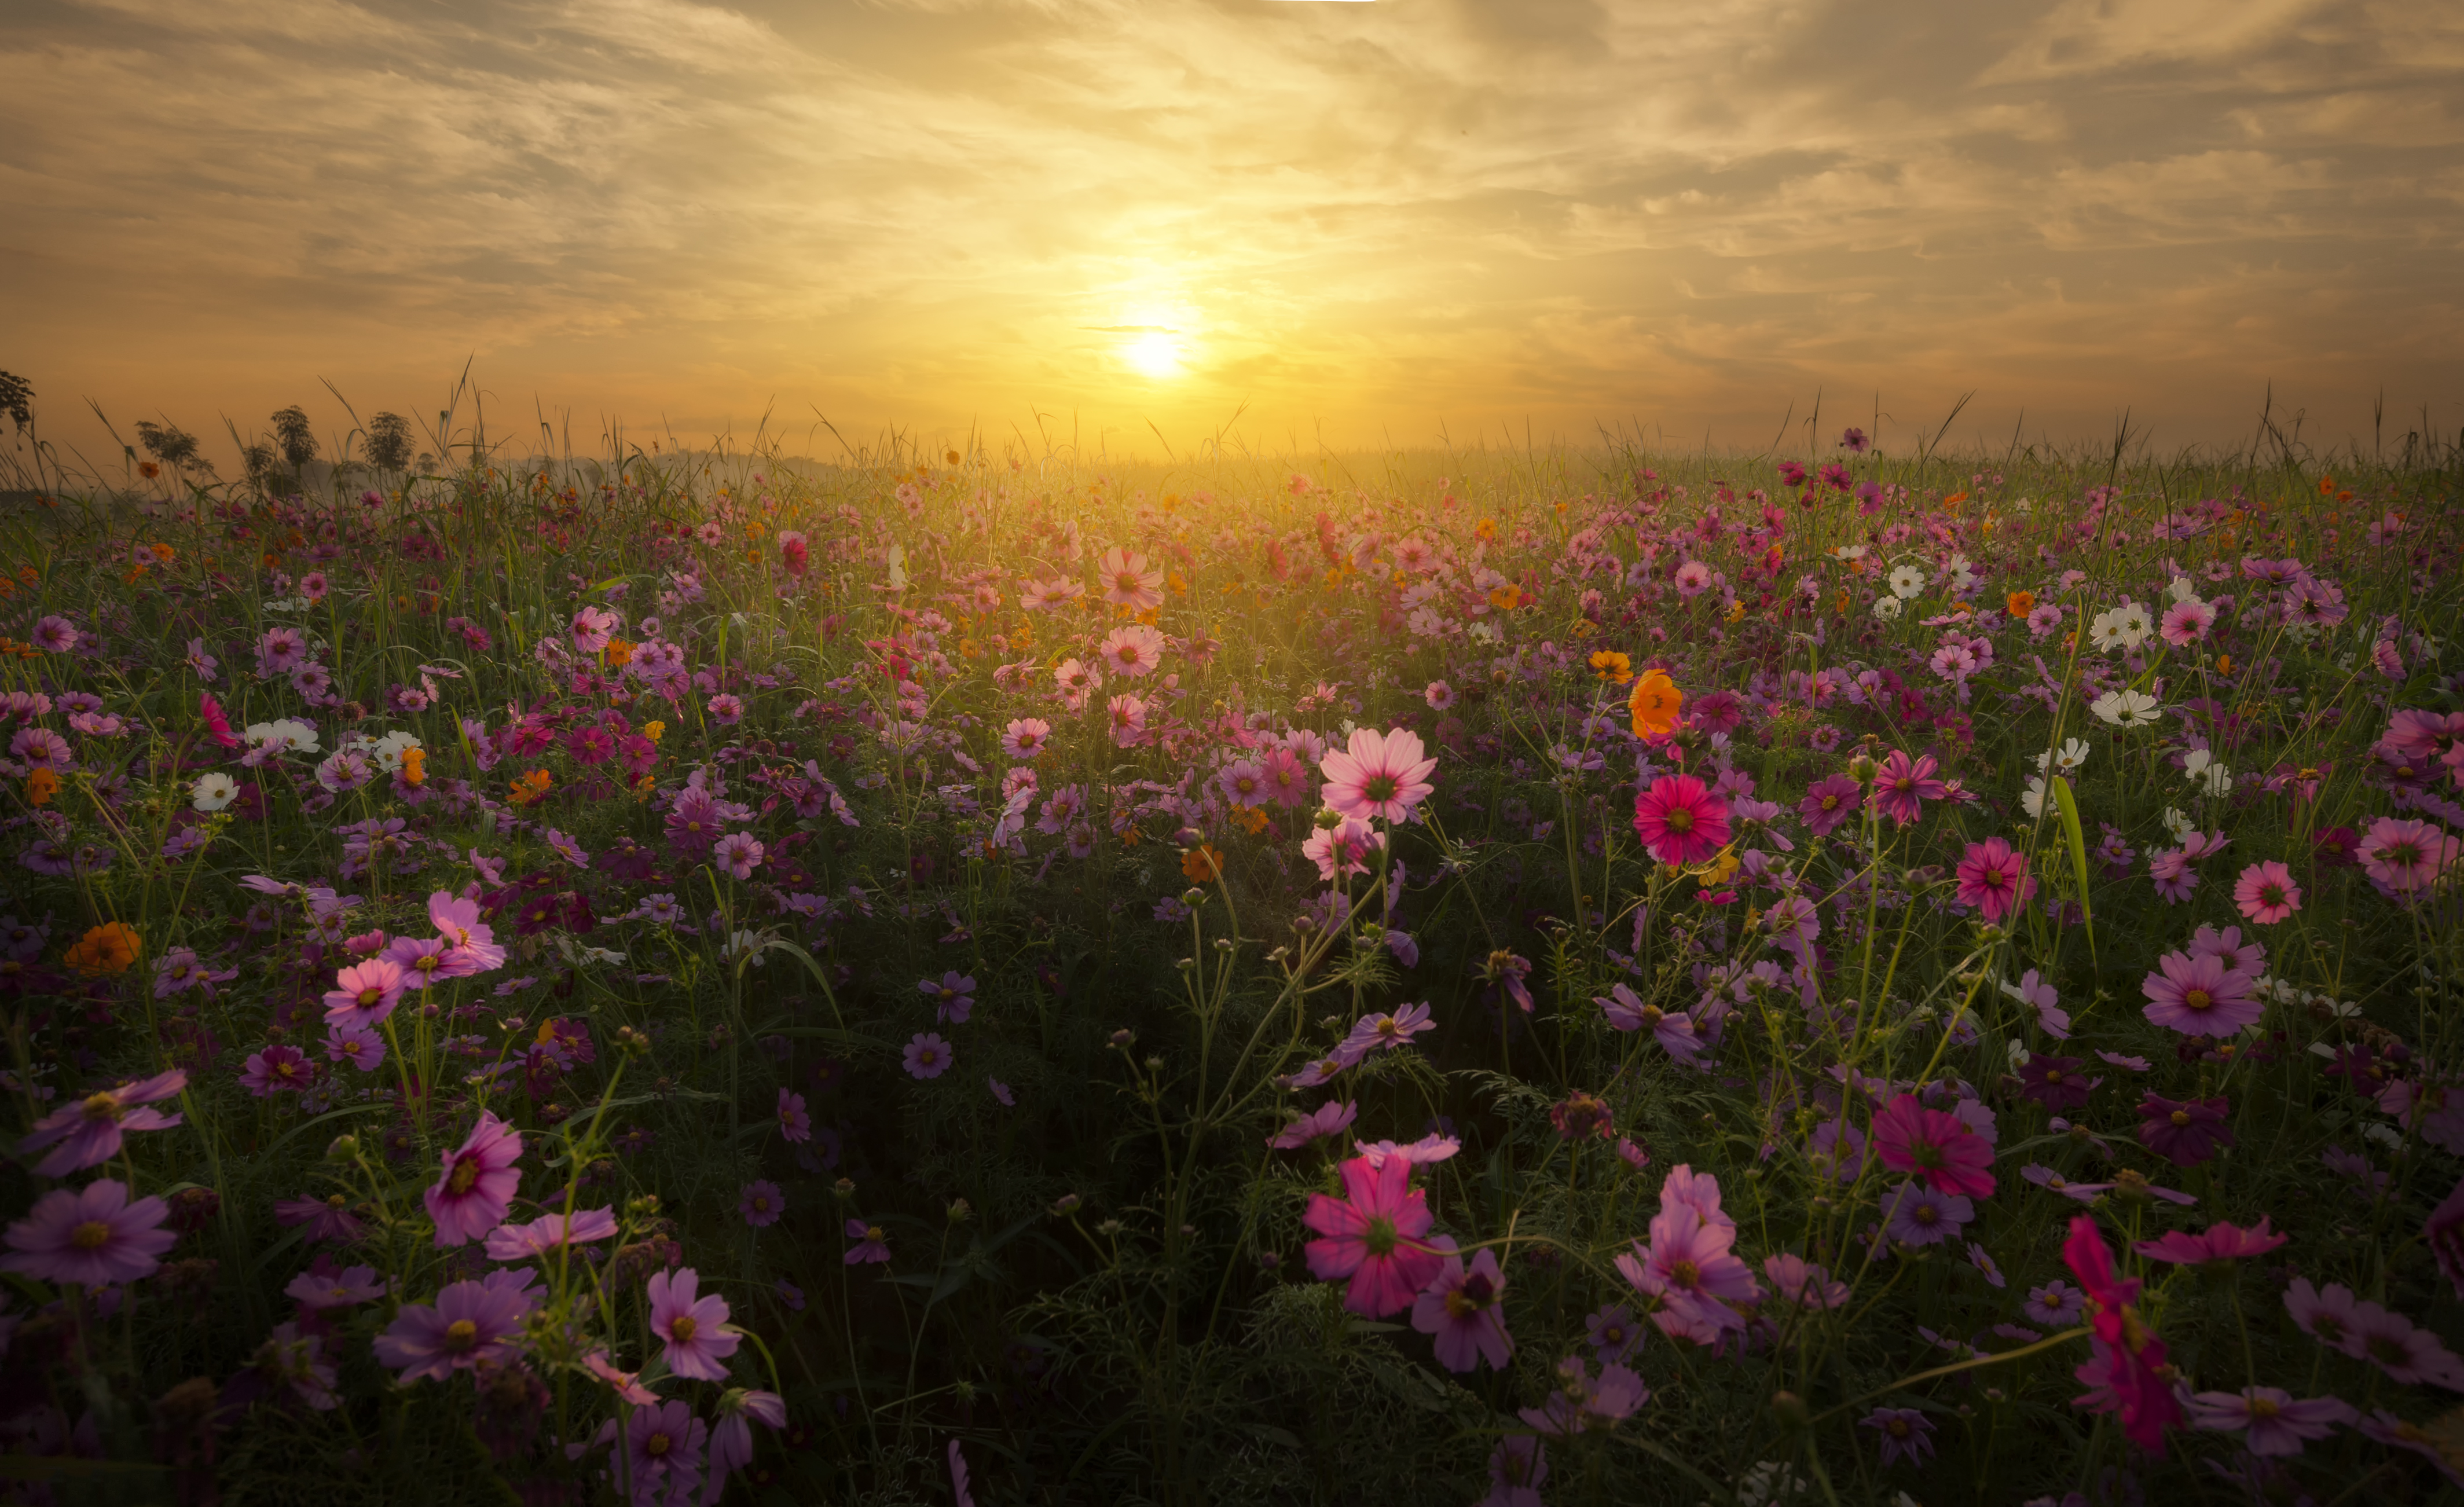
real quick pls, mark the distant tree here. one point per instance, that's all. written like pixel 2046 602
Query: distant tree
pixel 168 443
pixel 258 458
pixel 17 399
pixel 389 442
pixel 298 439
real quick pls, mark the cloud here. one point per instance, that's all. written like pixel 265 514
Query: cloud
pixel 932 210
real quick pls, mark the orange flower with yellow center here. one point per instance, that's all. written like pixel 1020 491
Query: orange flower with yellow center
pixel 2020 603
pixel 108 948
pixel 1611 665
pixel 1654 704
pixel 531 787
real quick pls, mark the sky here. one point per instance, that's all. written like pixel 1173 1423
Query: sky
pixel 1121 225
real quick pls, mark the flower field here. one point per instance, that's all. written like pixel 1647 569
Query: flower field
pixel 1490 978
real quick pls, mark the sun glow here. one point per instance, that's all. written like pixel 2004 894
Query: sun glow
pixel 1156 355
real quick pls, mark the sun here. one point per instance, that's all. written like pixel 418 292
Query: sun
pixel 1156 355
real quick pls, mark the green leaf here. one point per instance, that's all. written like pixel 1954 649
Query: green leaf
pixel 2069 806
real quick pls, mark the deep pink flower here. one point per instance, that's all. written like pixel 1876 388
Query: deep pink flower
pixel 2199 996
pixel 2219 1242
pixel 1372 1236
pixel 364 994
pixel 217 723
pixel 1993 878
pixel 1941 1147
pixel 1376 775
pixel 470 1197
pixel 2266 893
pixel 2126 1373
pixel 694 1330
pixel 1461 1309
pixel 92 1236
pixel 1902 787
pixel 88 1131
pixel 1681 820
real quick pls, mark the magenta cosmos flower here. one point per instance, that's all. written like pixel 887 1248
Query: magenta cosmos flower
pixel 478 1183
pixel 472 1323
pixel 1828 803
pixel 694 1328
pixel 1940 1147
pixel 2185 1132
pixel 92 1236
pixel 2199 996
pixel 2407 856
pixel 2266 893
pixel 1681 820
pixel 88 1132
pixel 364 994
pixel 738 853
pixel 2219 1242
pixel 1902 787
pixel 1993 876
pixel 1689 1266
pixel 1376 775
pixel 1460 1310
pixel 1373 1235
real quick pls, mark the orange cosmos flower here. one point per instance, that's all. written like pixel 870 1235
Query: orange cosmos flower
pixel 531 787
pixel 1611 665
pixel 2020 603
pixel 617 653
pixel 1203 864
pixel 414 766
pixel 1654 704
pixel 108 948
pixel 41 786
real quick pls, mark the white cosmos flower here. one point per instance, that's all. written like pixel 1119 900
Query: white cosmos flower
pixel 2207 771
pixel 1887 608
pixel 2031 800
pixel 2128 708
pixel 2180 589
pixel 288 733
pixel 2130 619
pixel 2064 761
pixel 213 791
pixel 1907 581
pixel 2178 824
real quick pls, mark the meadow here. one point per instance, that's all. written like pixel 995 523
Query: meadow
pixel 1497 976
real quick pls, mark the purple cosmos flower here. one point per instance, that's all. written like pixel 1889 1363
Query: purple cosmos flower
pixel 2200 996
pixel 327 1218
pixel 471 1325
pixel 523 1242
pixel 2054 1081
pixel 479 1182
pixel 1612 1332
pixel 795 1121
pixel 1829 801
pixel 2055 1305
pixel 93 1237
pixel 1906 1434
pixel 1919 1215
pixel 663 1451
pixel 2277 1422
pixel 88 1132
pixel 1673 1029
pixel 277 1069
pixel 927 1055
pixel 953 995
pixel 761 1204
pixel 328 1288
pixel 873 1242
pixel 1327 1119
pixel 738 853
pixel 2185 1132
pixel 1461 1309
pixel 694 1330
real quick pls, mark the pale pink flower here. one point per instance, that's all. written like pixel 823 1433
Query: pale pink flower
pixel 2266 893
pixel 1132 649
pixel 1376 775
pixel 92 1236
pixel 694 1330
pixel 1461 1309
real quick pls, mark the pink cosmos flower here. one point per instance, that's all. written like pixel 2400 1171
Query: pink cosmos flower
pixel 1673 1029
pixel 217 724
pixel 1126 716
pixel 472 1324
pixel 2408 1354
pixel 731 1439
pixel 2407 856
pixel 1902 787
pixel 1387 1029
pixel 2277 1422
pixel 1376 775
pixel 1689 1266
pixel 1132 649
pixel 2266 893
pixel 1024 737
pixel 54 635
pixel 1372 1236
pixel 590 629
pixel 88 1131
pixel 795 1121
pixel 726 709
pixel 2219 1242
pixel 1804 1282
pixel 2185 1132
pixel 322 1286
pixel 2199 996
pixel 457 920
pixel 1129 580
pixel 2187 622
pixel 1330 1117
pixel 927 1055
pixel 872 1242
pixel 761 1204
pixel 359 1047
pixel 694 1330
pixel 277 1069
pixel 1343 848
pixel 1681 820
pixel 738 853
pixel 2386 1427
pixel 92 1236
pixel 1828 803
pixel 1439 695
pixel 364 994
pixel 1461 1309
pixel 327 1218
pixel 1993 878
pixel 663 1451
pixel 523 1242
pixel 1906 1434
pixel 1286 777
pixel 1943 1148
pixel 470 1197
